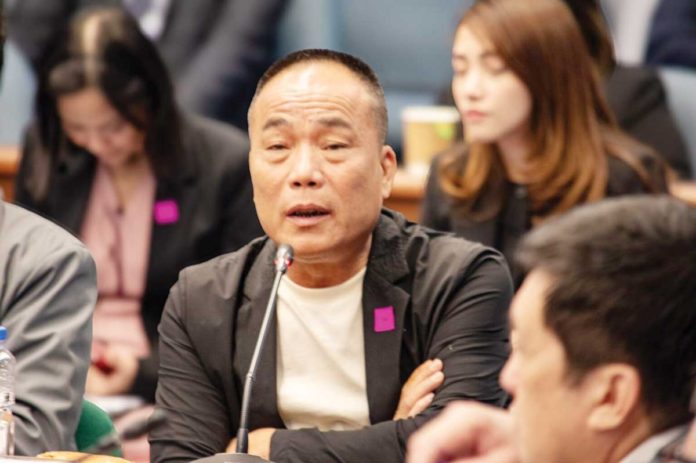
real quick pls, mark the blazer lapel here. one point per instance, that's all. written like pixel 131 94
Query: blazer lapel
pixel 384 311
pixel 175 201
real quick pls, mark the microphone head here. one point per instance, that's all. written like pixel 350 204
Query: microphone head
pixel 283 258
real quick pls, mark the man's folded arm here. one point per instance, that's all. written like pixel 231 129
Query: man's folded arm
pixel 470 338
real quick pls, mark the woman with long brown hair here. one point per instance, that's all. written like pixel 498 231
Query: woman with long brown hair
pixel 539 137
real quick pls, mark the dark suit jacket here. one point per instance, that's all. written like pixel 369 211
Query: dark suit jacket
pixel 216 50
pixel 504 231
pixel 450 300
pixel 212 190
pixel 672 39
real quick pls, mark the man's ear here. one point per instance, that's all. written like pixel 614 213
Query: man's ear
pixel 614 392
pixel 388 164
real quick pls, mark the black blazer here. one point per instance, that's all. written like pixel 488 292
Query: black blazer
pixel 504 231
pixel 450 300
pixel 214 195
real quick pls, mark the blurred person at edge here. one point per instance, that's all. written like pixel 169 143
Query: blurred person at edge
pixel 148 189
pixel 48 287
pixel 539 136
pixel 603 346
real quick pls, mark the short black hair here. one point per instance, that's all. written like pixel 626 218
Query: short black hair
pixel 624 290
pixel 357 66
pixel 105 48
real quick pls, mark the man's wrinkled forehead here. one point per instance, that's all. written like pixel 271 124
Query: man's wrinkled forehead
pixel 320 80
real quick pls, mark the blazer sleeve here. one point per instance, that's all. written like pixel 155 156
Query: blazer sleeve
pixel 469 333
pixel 197 414
pixel 48 317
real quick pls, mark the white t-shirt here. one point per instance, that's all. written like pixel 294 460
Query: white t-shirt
pixel 321 356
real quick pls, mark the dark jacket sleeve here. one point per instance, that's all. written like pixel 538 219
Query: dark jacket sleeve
pixel 197 420
pixel 468 331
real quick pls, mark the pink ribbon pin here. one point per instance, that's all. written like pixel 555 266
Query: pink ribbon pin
pixel 166 212
pixel 384 319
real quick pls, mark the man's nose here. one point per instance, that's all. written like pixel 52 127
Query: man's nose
pixel 306 168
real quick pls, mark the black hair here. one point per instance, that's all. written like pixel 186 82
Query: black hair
pixel 106 49
pixel 624 290
pixel 358 67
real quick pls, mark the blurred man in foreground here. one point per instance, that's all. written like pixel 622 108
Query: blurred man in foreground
pixel 604 345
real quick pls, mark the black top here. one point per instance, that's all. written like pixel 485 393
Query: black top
pixel 503 231
pixel 449 299
pixel 212 189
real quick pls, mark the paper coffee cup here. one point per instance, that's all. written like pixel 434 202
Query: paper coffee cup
pixel 427 130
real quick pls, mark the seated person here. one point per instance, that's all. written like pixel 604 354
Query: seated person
pixel 368 298
pixel 149 190
pixel 539 136
pixel 635 94
pixel 47 294
pixel 603 345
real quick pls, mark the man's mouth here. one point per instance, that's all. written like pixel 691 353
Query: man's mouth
pixel 307 212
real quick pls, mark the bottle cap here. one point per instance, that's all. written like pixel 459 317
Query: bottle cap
pixel 3 333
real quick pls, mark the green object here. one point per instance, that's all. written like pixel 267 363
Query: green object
pixel 94 424
pixel 446 131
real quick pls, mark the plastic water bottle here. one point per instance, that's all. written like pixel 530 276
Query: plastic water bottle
pixel 7 396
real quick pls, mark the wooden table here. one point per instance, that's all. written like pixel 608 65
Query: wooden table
pixel 9 163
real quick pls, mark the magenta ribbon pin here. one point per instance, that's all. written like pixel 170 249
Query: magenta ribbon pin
pixel 166 212
pixel 384 319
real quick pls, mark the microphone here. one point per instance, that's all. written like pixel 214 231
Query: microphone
pixel 112 441
pixel 283 260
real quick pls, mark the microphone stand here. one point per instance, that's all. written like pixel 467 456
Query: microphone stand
pixel 283 260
